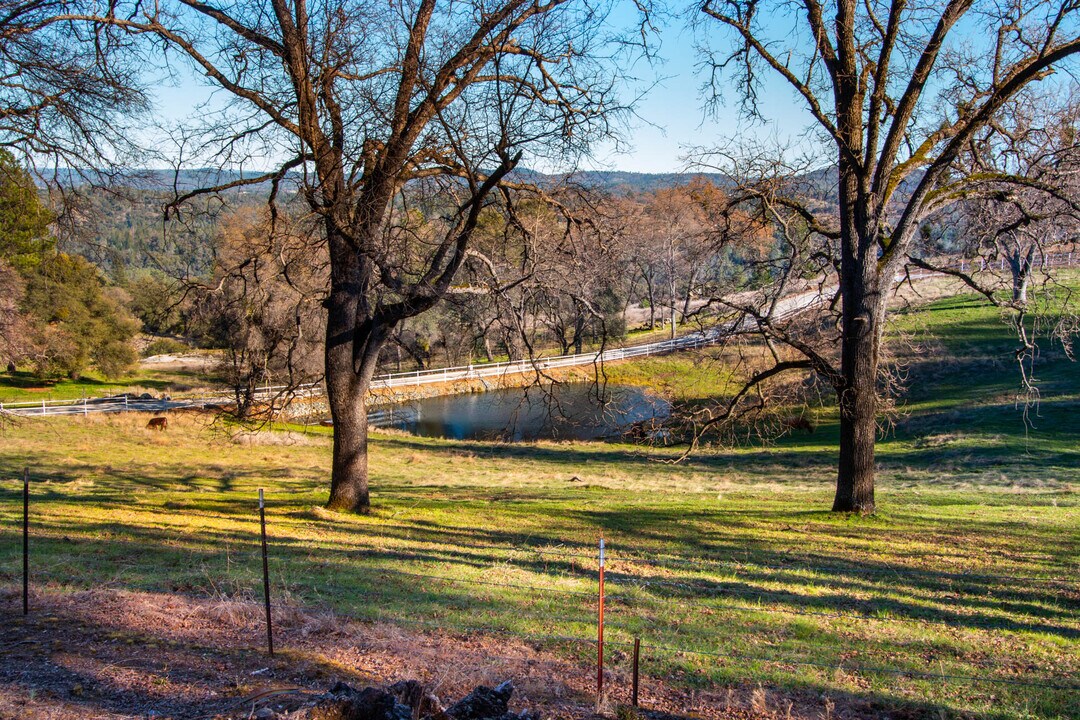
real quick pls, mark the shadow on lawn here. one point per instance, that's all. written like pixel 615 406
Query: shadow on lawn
pixel 76 658
pixel 520 594
pixel 23 380
pixel 1009 462
pixel 757 587
pixel 717 542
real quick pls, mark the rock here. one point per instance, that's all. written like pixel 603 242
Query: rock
pixel 483 703
pixel 265 714
pixel 399 700
pixel 345 703
pixel 423 703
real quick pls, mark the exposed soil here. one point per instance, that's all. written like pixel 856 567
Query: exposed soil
pixel 120 654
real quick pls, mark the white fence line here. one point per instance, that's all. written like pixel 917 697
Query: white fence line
pixel 792 304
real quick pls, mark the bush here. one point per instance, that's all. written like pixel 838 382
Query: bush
pixel 165 346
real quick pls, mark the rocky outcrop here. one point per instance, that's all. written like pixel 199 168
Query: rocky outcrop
pixel 406 700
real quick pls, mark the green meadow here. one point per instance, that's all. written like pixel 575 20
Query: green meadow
pixel 959 598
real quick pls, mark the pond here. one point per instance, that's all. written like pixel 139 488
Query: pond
pixel 567 412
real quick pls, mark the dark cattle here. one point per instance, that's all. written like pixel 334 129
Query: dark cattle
pixel 798 423
pixel 158 423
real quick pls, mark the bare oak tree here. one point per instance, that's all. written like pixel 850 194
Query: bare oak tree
pixel 356 102
pixel 1017 217
pixel 896 90
pixel 263 307
pixel 69 90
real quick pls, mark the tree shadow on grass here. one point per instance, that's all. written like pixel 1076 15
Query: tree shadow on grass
pixel 371 568
pixel 134 654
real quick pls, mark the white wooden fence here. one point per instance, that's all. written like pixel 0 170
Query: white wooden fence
pixel 786 307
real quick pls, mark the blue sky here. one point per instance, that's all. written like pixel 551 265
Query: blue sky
pixel 671 120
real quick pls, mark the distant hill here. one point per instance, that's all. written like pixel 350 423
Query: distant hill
pixel 124 229
pixel 615 181
pixel 622 182
pixel 149 179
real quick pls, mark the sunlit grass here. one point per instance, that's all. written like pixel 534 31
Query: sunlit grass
pixel 728 554
pixel 968 569
pixel 25 386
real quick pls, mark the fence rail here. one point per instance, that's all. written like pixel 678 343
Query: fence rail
pixel 784 309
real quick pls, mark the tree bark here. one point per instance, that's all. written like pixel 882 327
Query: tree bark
pixel 652 300
pixel 579 328
pixel 347 397
pixel 858 427
pixel 354 338
pixel 863 315
pixel 862 320
pixel 1020 263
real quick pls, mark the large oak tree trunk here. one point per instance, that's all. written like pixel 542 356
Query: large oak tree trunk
pixel 862 317
pixel 863 314
pixel 858 426
pixel 354 338
pixel 348 408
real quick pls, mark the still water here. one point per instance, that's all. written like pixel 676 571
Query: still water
pixel 571 412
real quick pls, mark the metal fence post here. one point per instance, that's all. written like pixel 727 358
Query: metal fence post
pixel 26 543
pixel 600 635
pixel 637 654
pixel 266 575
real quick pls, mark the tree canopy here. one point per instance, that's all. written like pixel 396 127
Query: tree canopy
pixel 897 91
pixel 24 219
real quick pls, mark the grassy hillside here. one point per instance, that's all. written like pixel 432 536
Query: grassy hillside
pixel 728 567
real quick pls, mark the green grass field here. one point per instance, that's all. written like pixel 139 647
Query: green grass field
pixel 24 386
pixel 968 571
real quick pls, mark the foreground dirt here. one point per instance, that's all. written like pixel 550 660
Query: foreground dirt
pixel 119 654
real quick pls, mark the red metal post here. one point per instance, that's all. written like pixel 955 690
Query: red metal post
pixel 26 543
pixel 600 635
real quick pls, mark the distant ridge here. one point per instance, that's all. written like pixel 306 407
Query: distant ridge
pixel 150 179
pixel 615 181
pixel 819 184
pixel 622 181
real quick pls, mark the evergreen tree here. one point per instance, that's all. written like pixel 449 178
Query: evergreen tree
pixel 24 218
